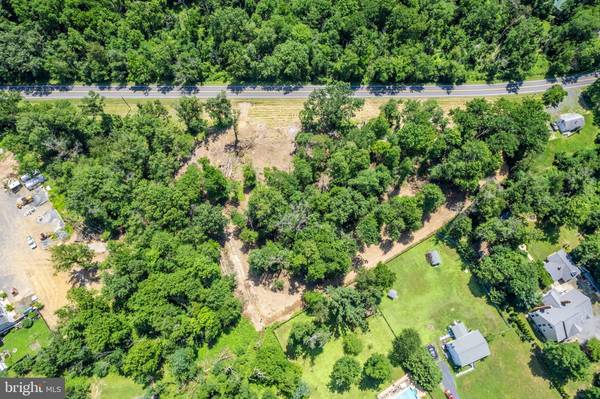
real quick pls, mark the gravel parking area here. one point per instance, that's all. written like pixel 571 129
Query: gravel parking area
pixel 29 271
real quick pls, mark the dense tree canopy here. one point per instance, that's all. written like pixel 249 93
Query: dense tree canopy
pixel 275 40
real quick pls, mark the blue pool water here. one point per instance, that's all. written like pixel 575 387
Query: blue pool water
pixel 410 393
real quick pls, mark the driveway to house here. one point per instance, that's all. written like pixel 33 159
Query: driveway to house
pixel 448 381
pixel 258 91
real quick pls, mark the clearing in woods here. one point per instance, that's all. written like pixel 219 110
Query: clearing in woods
pixel 266 139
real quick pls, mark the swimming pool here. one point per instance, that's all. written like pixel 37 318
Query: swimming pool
pixel 409 393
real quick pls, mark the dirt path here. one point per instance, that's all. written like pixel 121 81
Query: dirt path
pixel 30 271
pixel 384 252
pixel 262 305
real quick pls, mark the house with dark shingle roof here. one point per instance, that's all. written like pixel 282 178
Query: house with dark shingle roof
pixel 560 267
pixel 468 346
pixel 563 315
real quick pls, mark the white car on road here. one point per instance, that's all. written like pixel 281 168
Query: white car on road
pixel 31 242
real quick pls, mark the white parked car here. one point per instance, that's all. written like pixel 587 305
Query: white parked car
pixel 31 242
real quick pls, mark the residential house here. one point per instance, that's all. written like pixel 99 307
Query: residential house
pixel 563 315
pixel 560 267
pixel 467 347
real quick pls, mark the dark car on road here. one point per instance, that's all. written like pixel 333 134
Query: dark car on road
pixel 432 351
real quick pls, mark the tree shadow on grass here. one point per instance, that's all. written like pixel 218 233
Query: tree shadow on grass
pixel 538 369
pixel 551 232
pixel 367 383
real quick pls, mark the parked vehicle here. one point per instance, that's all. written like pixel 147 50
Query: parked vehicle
pixel 34 182
pixel 449 394
pixel 31 242
pixel 432 351
pixel 28 176
pixel 13 185
pixel 22 201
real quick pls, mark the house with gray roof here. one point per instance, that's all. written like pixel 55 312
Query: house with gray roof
pixel 468 346
pixel 564 314
pixel 560 267
pixel 570 123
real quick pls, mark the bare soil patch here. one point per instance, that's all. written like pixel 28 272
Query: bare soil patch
pixel 260 144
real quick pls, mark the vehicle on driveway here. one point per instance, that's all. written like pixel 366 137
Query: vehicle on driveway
pixel 22 201
pixel 449 394
pixel 432 351
pixel 31 242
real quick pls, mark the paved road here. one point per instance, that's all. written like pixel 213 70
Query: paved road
pixel 301 91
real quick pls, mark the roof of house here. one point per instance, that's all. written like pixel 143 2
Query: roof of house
pixel 561 306
pixel 434 257
pixel 560 267
pixel 469 348
pixel 570 116
pixel 458 329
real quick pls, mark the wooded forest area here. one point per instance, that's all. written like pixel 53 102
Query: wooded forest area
pixel 163 295
pixel 190 42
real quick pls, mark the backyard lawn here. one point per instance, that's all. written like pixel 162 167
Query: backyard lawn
pixel 24 341
pixel 316 372
pixel 431 298
pixel 552 242
pixel 559 143
pixel 114 386
pixel 510 372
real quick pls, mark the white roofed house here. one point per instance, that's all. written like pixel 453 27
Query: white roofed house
pixel 564 316
pixel 560 267
pixel 569 123
pixel 468 346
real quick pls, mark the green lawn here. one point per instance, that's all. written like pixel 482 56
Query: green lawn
pixel 114 386
pixel 316 371
pixel 510 372
pixel 552 242
pixel 559 143
pixel 430 298
pixel 24 341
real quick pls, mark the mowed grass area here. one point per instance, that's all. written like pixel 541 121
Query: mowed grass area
pixel 559 143
pixel 114 386
pixel 510 372
pixel 315 372
pixel 26 341
pixel 431 298
pixel 553 241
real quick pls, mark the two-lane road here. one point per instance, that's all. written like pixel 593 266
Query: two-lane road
pixel 54 92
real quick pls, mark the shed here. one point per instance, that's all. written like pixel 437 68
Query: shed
pixel 434 258
pixel 392 294
pixel 568 123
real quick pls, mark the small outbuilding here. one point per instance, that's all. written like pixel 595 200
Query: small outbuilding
pixel 434 258
pixel 392 294
pixel 569 123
